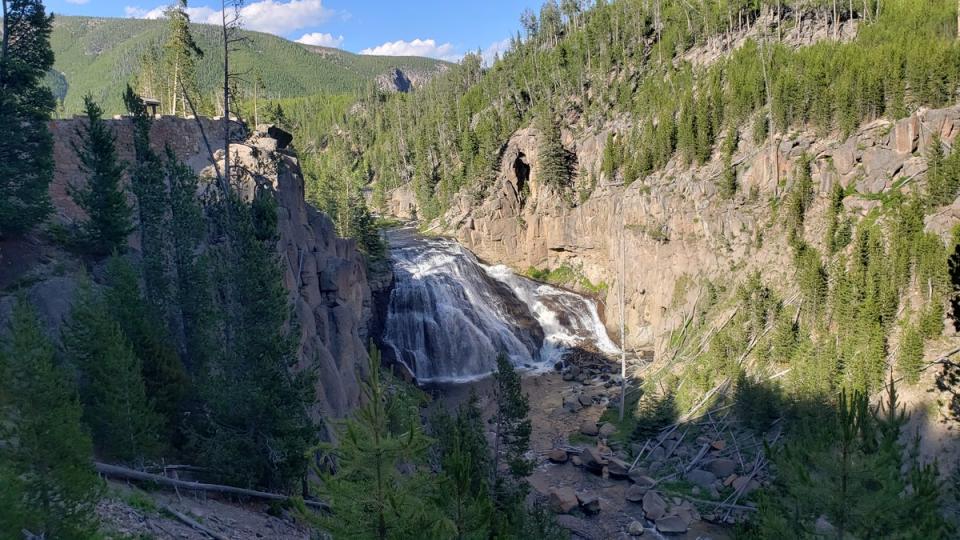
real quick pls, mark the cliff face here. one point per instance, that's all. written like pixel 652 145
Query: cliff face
pixel 675 227
pixel 324 274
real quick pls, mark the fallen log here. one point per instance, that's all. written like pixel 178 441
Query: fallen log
pixel 116 471
pixel 194 524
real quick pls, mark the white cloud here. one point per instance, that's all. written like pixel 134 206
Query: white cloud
pixel 417 47
pixel 323 40
pixel 77 2
pixel 264 16
pixel 495 48
pixel 135 12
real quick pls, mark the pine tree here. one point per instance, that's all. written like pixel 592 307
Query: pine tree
pixel 180 55
pixel 102 197
pixel 910 358
pixel 147 179
pixel 463 492
pixel 552 158
pixel 194 288
pixel 164 378
pixel 254 430
pixel 49 486
pixel 26 103
pixel 124 423
pixel 511 424
pixel 368 494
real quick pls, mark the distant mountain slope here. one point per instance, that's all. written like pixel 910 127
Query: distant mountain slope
pixel 100 55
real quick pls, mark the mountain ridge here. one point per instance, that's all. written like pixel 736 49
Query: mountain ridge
pixel 97 55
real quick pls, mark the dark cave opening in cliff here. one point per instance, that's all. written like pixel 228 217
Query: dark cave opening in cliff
pixel 522 171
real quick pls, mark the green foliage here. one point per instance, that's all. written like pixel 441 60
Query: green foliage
pixel 254 430
pixel 943 173
pixel 653 413
pixel 287 69
pixel 839 230
pixel 845 465
pixel 180 55
pixel 622 58
pixel 756 402
pixel 369 496
pixel 552 158
pixel 511 425
pixel 115 405
pixel 102 197
pixel 801 195
pixel 26 148
pixel 463 493
pixel 164 378
pixel 910 359
pixel 49 486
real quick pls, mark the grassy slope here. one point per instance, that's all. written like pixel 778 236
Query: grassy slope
pixel 99 55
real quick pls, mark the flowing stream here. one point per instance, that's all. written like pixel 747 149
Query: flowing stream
pixel 449 315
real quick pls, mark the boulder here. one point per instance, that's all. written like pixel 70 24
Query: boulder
pixel 589 428
pixel 745 485
pixel 607 429
pixel 563 499
pixel 585 400
pixel 576 461
pixel 639 477
pixel 672 525
pixel 653 505
pixel 722 467
pixel 702 478
pixel 636 492
pixel 590 504
pixel 657 454
pixel 571 404
pixel 617 468
pixel 635 528
pixel 823 527
pixel 282 137
pixel 591 459
pixel 558 455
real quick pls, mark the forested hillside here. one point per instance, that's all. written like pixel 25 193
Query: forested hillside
pixel 98 55
pixel 721 126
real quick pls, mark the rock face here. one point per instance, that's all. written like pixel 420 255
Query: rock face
pixel 325 275
pixel 675 227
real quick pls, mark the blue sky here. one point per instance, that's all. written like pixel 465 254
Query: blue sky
pixel 441 29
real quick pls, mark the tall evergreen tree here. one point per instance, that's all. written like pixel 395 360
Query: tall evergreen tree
pixel 164 377
pixel 369 496
pixel 463 492
pixel 552 157
pixel 254 430
pixel 102 197
pixel 49 486
pixel 180 55
pixel 194 288
pixel 26 103
pixel 115 405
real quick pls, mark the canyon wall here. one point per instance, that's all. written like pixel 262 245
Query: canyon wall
pixel 668 232
pixel 325 275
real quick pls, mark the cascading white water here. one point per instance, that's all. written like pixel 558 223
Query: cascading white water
pixel 450 315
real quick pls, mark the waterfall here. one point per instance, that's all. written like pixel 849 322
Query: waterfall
pixel 449 315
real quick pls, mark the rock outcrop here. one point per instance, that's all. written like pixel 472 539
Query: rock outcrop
pixel 325 275
pixel 673 229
